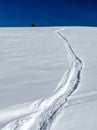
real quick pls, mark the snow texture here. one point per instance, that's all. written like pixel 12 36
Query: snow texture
pixel 41 117
pixel 61 110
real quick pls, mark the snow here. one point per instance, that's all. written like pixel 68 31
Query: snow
pixel 32 62
pixel 24 80
pixel 81 111
pixel 84 43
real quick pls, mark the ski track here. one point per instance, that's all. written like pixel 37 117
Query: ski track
pixel 40 116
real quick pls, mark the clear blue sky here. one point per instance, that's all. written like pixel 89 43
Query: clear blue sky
pixel 48 12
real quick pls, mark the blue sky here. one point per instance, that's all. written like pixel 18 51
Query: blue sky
pixel 14 13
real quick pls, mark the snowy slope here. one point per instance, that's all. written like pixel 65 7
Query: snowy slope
pixel 18 47
pixel 81 111
pixel 32 62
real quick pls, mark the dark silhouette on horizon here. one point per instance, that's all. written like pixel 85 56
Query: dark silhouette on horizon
pixel 33 25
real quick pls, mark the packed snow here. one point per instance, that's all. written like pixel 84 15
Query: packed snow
pixel 81 111
pixel 33 61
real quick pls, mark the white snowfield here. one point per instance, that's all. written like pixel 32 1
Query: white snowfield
pixel 59 110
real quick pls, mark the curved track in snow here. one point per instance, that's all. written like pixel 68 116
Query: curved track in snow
pixel 41 115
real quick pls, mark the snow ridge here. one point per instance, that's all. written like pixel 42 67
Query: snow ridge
pixel 41 118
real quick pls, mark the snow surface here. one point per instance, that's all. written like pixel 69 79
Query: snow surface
pixel 47 51
pixel 81 111
pixel 32 62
